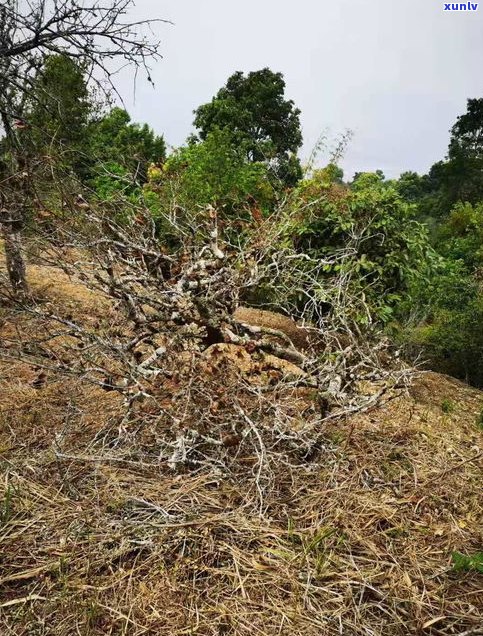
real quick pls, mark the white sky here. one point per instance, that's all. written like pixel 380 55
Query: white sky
pixel 396 72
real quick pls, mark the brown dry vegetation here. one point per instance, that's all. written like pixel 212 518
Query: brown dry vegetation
pixel 261 318
pixel 98 536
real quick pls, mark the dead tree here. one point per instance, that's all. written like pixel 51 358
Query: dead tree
pixel 171 319
pixel 95 33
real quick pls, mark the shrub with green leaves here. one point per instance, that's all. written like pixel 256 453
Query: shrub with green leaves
pixel 387 248
pixel 453 339
pixel 446 314
pixel 461 235
pixel 213 172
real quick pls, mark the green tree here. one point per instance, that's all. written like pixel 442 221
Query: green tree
pixel 464 170
pixel 261 121
pixel 213 172
pixel 363 179
pixel 411 186
pixel 330 174
pixel 120 152
pixel 449 306
pixel 467 133
pixel 449 333
pixel 460 176
pixel 461 236
pixel 60 103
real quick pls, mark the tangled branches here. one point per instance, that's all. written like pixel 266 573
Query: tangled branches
pixel 93 34
pixel 200 389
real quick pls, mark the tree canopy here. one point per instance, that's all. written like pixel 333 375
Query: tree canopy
pixel 460 176
pixel 120 146
pixel 253 108
pixel 60 103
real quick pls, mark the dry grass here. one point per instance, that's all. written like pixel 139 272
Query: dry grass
pixel 99 536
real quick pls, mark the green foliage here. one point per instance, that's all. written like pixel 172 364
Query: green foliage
pixel 253 109
pixel 461 235
pixel 467 563
pixel 411 186
pixel 388 248
pixel 447 406
pixel 467 133
pixel 113 181
pixel 49 141
pixel 448 307
pixel 453 339
pixel 460 177
pixel 330 174
pixel 364 180
pixel 59 104
pixel 121 151
pixel 213 172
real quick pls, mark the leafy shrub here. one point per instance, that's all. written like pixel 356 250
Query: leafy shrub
pixel 210 173
pixel 461 235
pixel 114 141
pixel 447 308
pixel 216 173
pixel 386 247
pixel 454 341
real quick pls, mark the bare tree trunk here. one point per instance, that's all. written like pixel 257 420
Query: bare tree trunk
pixel 11 224
pixel 15 262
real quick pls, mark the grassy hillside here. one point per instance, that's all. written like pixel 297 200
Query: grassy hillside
pixel 98 535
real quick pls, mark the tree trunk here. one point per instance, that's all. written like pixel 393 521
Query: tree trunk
pixel 15 263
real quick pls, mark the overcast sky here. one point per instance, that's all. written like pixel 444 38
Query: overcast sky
pixel 396 72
